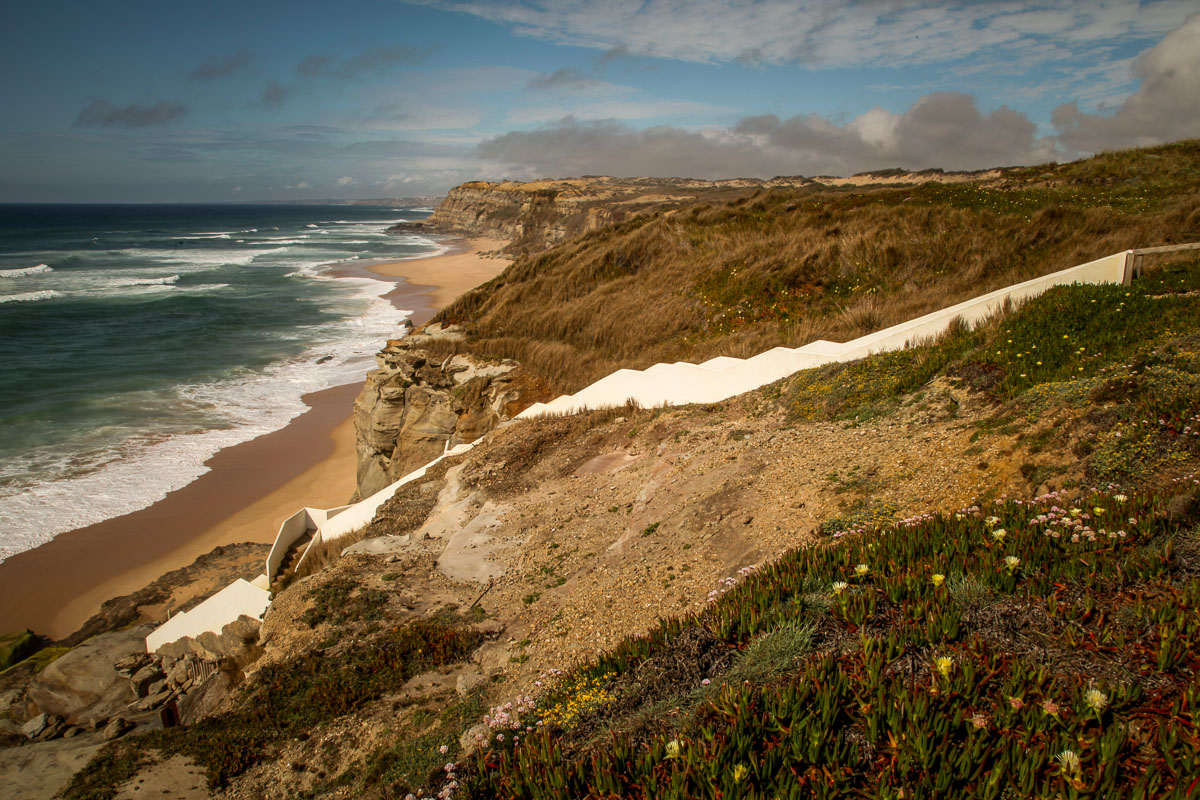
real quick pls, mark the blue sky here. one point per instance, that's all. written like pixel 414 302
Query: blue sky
pixel 229 101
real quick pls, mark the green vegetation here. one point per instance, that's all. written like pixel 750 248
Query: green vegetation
pixel 291 699
pixel 337 601
pixel 16 647
pixel 105 773
pixel 412 754
pixel 785 267
pixel 1043 648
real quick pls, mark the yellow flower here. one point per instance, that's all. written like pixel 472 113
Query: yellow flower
pixel 739 773
pixel 944 664
pixel 938 579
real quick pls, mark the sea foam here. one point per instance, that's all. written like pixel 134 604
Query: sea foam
pixel 30 297
pixel 40 269
pixel 144 471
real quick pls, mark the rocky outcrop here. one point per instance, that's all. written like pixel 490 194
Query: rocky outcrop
pixel 83 685
pixel 418 403
pixel 536 214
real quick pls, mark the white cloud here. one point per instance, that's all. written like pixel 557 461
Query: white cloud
pixel 1166 105
pixel 613 109
pixel 821 33
pixel 345 180
pixel 942 129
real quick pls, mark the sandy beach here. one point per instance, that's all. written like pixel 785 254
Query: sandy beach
pixel 250 488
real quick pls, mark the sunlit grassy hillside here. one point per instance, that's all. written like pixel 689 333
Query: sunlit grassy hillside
pixel 788 266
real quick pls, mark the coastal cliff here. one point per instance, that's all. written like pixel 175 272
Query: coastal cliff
pixel 424 398
pixel 535 215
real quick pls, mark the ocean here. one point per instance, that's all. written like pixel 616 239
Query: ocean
pixel 137 341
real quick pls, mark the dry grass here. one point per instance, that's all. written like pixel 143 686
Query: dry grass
pixel 787 266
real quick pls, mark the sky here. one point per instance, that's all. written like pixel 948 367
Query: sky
pixel 152 101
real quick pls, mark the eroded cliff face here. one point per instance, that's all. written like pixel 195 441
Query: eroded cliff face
pixel 531 216
pixel 418 403
pixel 537 214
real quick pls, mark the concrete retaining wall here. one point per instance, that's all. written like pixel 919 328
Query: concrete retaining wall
pixel 236 599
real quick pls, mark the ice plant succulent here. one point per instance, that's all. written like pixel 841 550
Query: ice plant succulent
pixel 937 579
pixel 861 570
pixel 944 665
pixel 1011 563
pixel 1069 762
pixel 1095 699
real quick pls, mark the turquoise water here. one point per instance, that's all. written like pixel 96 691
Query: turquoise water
pixel 138 341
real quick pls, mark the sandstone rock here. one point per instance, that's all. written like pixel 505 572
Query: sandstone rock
pixel 35 725
pixel 467 681
pixel 144 678
pixel 489 627
pixel 116 728
pixel 154 700
pixel 40 770
pixel 412 408
pixel 205 699
pixel 82 685
pixel 131 663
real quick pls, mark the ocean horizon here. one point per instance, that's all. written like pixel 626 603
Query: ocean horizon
pixel 140 340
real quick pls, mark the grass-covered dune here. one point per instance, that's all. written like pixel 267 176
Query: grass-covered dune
pixel 788 266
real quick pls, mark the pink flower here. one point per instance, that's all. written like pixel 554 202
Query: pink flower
pixel 443 749
pixel 1017 703
pixel 705 682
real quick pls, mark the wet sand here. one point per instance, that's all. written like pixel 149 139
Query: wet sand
pixel 250 488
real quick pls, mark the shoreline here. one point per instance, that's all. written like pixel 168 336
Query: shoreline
pixel 248 491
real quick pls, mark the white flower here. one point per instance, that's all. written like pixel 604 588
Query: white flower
pixel 999 534
pixel 1069 761
pixel 861 570
pixel 840 586
pixel 673 748
pixel 1095 699
pixel 1011 562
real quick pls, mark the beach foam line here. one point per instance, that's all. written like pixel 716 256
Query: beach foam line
pixel 30 297
pixel 40 269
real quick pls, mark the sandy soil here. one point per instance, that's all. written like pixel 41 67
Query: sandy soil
pixel 249 491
